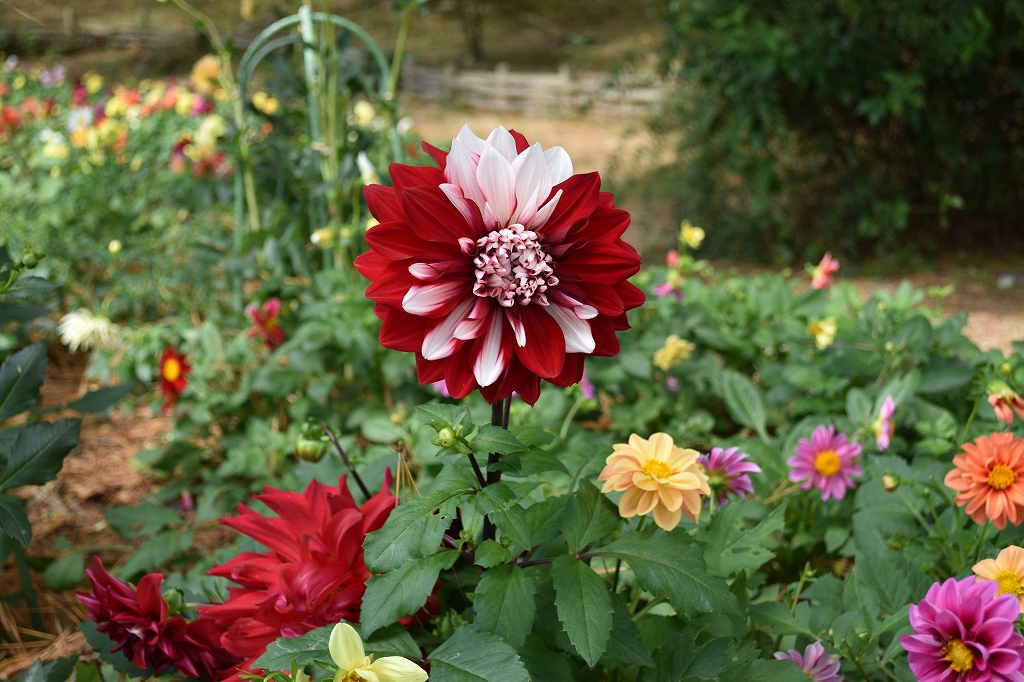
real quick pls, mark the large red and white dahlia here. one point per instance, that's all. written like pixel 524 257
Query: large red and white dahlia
pixel 499 268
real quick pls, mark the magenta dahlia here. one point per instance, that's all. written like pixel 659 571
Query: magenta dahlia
pixel 500 268
pixel 963 632
pixel 728 473
pixel 827 461
pixel 814 662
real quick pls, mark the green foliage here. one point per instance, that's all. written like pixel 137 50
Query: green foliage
pixel 871 128
pixel 584 606
pixel 472 656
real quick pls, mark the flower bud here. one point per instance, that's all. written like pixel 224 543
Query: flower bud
pixel 1006 368
pixel 446 437
pixel 114 247
pixel 175 601
pixel 311 449
pixel 890 482
pixel 30 259
pixel 323 238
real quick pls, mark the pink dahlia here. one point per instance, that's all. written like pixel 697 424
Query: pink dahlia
pixel 883 426
pixel 823 272
pixel 963 632
pixel 1005 401
pixel 500 268
pixel 265 322
pixel 728 473
pixel 814 662
pixel 827 462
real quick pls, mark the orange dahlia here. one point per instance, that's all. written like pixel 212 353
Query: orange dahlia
pixel 989 479
pixel 657 477
pixel 1007 570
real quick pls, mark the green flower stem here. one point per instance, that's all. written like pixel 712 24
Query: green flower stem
pixel 981 541
pixel 564 431
pixel 648 606
pixel 970 420
pixel 499 418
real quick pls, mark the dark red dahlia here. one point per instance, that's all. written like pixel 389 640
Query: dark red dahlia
pixel 499 269
pixel 139 623
pixel 265 323
pixel 312 574
pixel 174 370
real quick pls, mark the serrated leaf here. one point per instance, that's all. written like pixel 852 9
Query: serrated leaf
pixel 490 554
pixel 668 563
pixel 588 516
pixel 304 650
pixel 625 645
pixel 38 452
pixel 155 552
pixel 103 398
pixel 496 439
pixel 14 521
pixel 858 407
pixel 473 656
pixel 734 546
pixel 681 658
pixel 66 572
pixel 760 670
pixel 501 505
pixel 584 605
pixel 413 531
pixel 403 591
pixel 543 664
pixel 131 522
pixel 745 402
pixel 53 670
pixel 21 376
pixel 777 616
pixel 530 463
pixel 31 287
pixel 449 415
pixel 505 603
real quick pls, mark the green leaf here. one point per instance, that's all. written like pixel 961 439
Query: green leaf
pixel 14 521
pixel 496 439
pixel 671 564
pixel 588 516
pixel 304 650
pixel 147 518
pixel 530 463
pixel 625 645
pixel 66 572
pixel 501 505
pixel 584 605
pixel 776 616
pixel 681 658
pixel 490 554
pixel 734 546
pixel 54 670
pixel 760 670
pixel 403 591
pixel 38 452
pixel 505 603
pixel 413 531
pixel 543 664
pixel 443 414
pixel 858 407
pixel 103 645
pixel 31 287
pixel 155 552
pixel 21 375
pixel 103 398
pixel 393 640
pixel 744 401
pixel 473 656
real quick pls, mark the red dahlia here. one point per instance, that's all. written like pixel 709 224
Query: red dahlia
pixel 138 621
pixel 265 322
pixel 499 269
pixel 312 574
pixel 174 370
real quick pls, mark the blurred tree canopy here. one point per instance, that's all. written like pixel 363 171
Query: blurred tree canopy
pixel 868 127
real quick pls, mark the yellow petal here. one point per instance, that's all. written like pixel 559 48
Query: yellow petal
pixel 638 443
pixel 661 446
pixel 366 675
pixel 670 497
pixel 986 569
pixel 667 520
pixel 648 501
pixel 628 503
pixel 644 481
pixel 346 648
pixel 395 669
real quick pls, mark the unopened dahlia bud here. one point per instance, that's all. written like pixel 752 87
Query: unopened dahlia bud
pixel 890 482
pixel 446 437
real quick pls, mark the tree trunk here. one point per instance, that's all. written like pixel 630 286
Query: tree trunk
pixel 471 18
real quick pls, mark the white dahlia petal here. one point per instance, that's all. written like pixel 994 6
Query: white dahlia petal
pixel 460 170
pixel 491 362
pixel 469 141
pixel 469 329
pixel 578 337
pixel 498 184
pixel 424 272
pixel 518 327
pixel 503 141
pixel 559 163
pixel 533 178
pixel 585 312
pixel 544 212
pixel 440 342
pixel 459 200
pixel 424 300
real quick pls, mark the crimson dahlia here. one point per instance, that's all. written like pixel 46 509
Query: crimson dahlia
pixel 499 268
pixel 312 573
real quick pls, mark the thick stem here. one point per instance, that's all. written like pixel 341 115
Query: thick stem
pixel 344 458
pixel 499 417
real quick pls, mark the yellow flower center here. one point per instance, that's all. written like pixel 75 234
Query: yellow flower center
pixel 1009 583
pixel 1001 477
pixel 172 369
pixel 270 324
pixel 959 656
pixel 827 463
pixel 657 468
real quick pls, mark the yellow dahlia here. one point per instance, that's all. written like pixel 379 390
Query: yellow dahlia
pixel 657 477
pixel 1007 570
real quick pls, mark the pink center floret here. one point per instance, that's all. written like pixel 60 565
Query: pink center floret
pixel 512 267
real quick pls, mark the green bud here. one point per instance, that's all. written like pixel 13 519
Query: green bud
pixel 446 437
pixel 175 601
pixel 311 449
pixel 1006 368
pixel 30 260
pixel 890 483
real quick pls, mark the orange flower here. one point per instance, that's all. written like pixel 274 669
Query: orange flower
pixel 989 479
pixel 1007 569
pixel 657 477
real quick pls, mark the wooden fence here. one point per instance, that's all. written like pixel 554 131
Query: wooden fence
pixel 561 93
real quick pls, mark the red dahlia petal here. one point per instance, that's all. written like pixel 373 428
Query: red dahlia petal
pixel 544 352
pixel 458 373
pixel 396 240
pixel 439 156
pixel 578 201
pixel 402 332
pixel 602 262
pixel 383 203
pixel 435 218
pixel 522 144
pixel 404 177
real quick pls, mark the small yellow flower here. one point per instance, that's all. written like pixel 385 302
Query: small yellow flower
pixel 19 82
pixel 136 164
pixel 672 353
pixel 323 238
pixel 221 95
pixel 691 235
pixel 354 665
pixel 1007 569
pixel 271 106
pixel 116 107
pixel 656 477
pixel 56 149
pixel 823 331
pixel 364 112
pixel 183 107
pixel 259 99
pixel 209 131
pixel 114 247
pixel 93 83
pixel 205 75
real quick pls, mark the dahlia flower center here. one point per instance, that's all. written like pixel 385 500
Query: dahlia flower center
pixel 512 267
pixel 657 468
pixel 959 656
pixel 827 463
pixel 1001 477
pixel 717 479
pixel 1009 583
pixel 172 369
